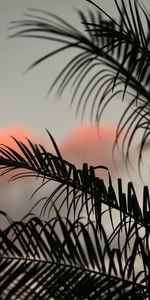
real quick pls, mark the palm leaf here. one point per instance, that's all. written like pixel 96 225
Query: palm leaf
pixel 78 191
pixel 123 47
pixel 38 260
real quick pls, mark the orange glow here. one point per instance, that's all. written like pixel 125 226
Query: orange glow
pixel 17 132
pixel 82 145
pixel 86 144
pixel 20 134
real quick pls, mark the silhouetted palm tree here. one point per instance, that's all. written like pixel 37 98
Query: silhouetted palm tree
pixel 99 249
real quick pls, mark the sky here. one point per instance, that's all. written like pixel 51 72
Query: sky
pixel 25 106
pixel 24 96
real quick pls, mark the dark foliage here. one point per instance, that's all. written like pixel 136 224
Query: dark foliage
pixel 99 248
pixel 74 257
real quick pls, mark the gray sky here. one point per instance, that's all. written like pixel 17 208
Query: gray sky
pixel 23 97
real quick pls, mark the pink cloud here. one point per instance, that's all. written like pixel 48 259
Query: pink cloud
pixel 85 145
pixel 19 133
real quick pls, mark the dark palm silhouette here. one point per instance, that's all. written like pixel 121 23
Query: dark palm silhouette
pixel 99 249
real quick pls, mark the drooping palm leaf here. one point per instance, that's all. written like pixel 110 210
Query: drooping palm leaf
pixel 40 261
pixel 117 51
pixel 79 191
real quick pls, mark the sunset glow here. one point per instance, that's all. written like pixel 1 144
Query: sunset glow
pixel 86 144
pixel 17 132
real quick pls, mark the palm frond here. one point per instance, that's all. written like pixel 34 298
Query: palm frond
pixel 77 190
pixel 123 47
pixel 67 260
pixel 98 249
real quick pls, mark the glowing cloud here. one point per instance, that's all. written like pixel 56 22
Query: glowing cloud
pixel 18 133
pixel 85 145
